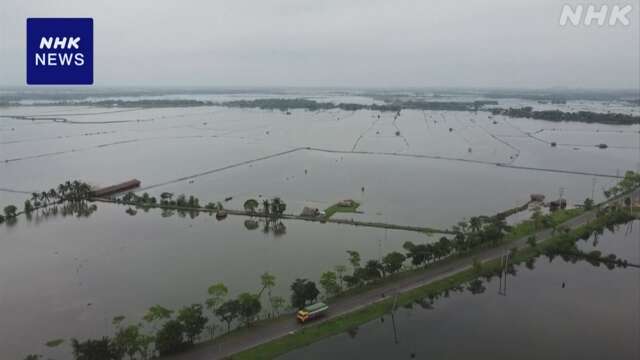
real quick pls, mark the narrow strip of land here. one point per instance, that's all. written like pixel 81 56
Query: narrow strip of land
pixel 262 333
pixel 352 222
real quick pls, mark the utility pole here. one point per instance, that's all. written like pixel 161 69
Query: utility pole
pixel 593 187
pixel 504 263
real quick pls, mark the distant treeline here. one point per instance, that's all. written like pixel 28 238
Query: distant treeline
pixel 580 116
pixel 283 104
pixel 288 104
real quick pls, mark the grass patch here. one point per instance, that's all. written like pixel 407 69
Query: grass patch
pixel 54 343
pixel 337 208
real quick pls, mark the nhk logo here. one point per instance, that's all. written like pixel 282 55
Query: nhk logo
pixel 591 15
pixel 59 51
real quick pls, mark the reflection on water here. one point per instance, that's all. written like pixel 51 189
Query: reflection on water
pixel 123 264
pixel 551 309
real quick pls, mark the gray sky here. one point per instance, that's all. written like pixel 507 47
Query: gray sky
pixel 475 43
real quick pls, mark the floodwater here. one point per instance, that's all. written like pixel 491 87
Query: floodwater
pixel 68 276
pixel 596 315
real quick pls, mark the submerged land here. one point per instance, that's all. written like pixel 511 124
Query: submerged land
pixel 368 201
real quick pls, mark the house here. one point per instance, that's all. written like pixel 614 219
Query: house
pixel 310 212
pixel 537 197
pixel 347 203
pixel 557 204
pixel 118 188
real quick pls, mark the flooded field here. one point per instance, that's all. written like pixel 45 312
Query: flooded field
pixel 68 277
pixel 553 310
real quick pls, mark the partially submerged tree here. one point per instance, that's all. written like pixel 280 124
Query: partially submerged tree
pixel 228 312
pixel 250 306
pixel 192 321
pixel 251 205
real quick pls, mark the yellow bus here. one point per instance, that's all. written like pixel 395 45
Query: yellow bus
pixel 312 311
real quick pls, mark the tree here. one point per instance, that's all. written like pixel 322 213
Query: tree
pixel 372 270
pixel 303 292
pixel 157 312
pixel 265 208
pixel 228 311
pixel 27 206
pixel 251 205
pixel 268 281
pixel 340 270
pixel 531 240
pixel 354 258
pixel 192 321
pixel 459 243
pixel 392 262
pixel 10 211
pixel 278 303
pixel 475 223
pixel 170 339
pixel 102 349
pixel 442 248
pixel 278 207
pixel 129 340
pixel 352 280
pixel 217 293
pixel 329 282
pixel 588 204
pixel 250 306
pixel 419 254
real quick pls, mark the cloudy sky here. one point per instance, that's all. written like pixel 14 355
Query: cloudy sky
pixel 471 43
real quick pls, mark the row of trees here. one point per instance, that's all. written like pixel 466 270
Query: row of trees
pixel 69 191
pixel 630 182
pixel 558 116
pixel 176 331
pixel 163 331
pixel 272 209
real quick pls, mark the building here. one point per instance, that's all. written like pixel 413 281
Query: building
pixel 557 204
pixel 310 212
pixel 347 203
pixel 537 197
pixel 114 189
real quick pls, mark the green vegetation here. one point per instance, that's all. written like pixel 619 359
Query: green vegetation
pixel 54 343
pixel 284 105
pixel 630 181
pixel 303 291
pixel 431 291
pixel 73 193
pixel 346 206
pixel 251 205
pixel 173 334
pixel 10 211
pixel 580 116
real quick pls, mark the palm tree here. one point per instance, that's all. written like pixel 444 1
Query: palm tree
pixel 265 208
pixel 475 224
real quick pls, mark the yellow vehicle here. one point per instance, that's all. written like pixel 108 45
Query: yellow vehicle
pixel 312 311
